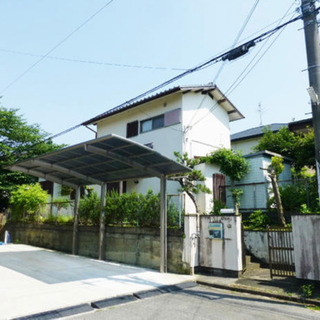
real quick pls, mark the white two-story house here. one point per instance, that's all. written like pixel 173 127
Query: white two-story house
pixel 191 119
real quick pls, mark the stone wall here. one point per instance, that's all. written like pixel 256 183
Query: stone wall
pixel 135 246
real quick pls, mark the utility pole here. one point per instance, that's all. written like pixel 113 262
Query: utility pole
pixel 311 34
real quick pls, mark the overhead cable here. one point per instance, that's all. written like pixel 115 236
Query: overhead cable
pixel 110 64
pixel 237 37
pixel 55 47
pixel 224 62
pixel 235 84
pixel 201 66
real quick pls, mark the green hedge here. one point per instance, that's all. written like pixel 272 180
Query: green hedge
pixel 127 209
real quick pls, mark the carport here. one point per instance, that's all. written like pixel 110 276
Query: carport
pixel 100 161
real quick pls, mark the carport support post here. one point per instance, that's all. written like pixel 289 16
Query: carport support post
pixel 75 236
pixel 163 224
pixel 102 236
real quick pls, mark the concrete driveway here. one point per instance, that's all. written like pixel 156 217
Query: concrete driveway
pixel 35 280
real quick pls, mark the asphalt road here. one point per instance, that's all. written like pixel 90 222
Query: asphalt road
pixel 202 303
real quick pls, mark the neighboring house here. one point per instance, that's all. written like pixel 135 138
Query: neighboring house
pixel 256 185
pixel 245 140
pixel 191 119
pixel 301 125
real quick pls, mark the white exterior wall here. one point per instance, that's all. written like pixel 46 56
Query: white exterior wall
pixel 206 130
pixel 205 199
pixel 245 146
pixel 165 140
pixel 197 139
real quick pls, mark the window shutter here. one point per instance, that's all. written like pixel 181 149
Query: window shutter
pixel 172 117
pixel 132 129
pixel 219 187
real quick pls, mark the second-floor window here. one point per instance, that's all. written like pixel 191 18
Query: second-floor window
pixel 152 123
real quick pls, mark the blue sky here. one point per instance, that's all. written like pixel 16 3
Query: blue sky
pixel 136 45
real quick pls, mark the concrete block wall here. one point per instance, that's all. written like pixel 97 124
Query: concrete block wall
pixel 221 254
pixel 306 236
pixel 256 243
pixel 135 246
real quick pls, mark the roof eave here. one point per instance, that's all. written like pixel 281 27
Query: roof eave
pixel 213 90
pixel 233 113
pixel 130 106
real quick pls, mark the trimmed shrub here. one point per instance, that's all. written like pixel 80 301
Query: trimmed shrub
pixel 26 201
pixel 127 209
pixel 257 220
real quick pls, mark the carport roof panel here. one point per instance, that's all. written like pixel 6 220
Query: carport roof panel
pixel 106 159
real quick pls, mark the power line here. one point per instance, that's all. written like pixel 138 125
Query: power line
pixel 234 85
pixel 201 66
pixel 237 37
pixel 56 46
pixel 276 22
pixel 254 33
pixel 110 64
pixel 224 62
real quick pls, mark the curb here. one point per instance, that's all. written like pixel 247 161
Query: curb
pixel 105 303
pixel 261 293
pixel 58 313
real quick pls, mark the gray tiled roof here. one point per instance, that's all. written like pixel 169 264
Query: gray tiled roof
pixel 256 132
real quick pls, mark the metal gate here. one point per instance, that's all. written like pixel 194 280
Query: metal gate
pixel 281 257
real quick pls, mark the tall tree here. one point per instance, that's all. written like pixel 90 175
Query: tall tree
pixel 299 146
pixel 274 170
pixel 18 141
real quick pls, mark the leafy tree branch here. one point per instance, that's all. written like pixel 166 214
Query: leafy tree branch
pixel 188 182
pixel 18 141
pixel 234 166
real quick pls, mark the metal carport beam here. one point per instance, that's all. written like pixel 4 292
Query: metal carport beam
pixel 39 174
pixel 122 159
pixel 70 172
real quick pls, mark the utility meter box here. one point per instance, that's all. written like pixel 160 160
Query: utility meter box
pixel 215 231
